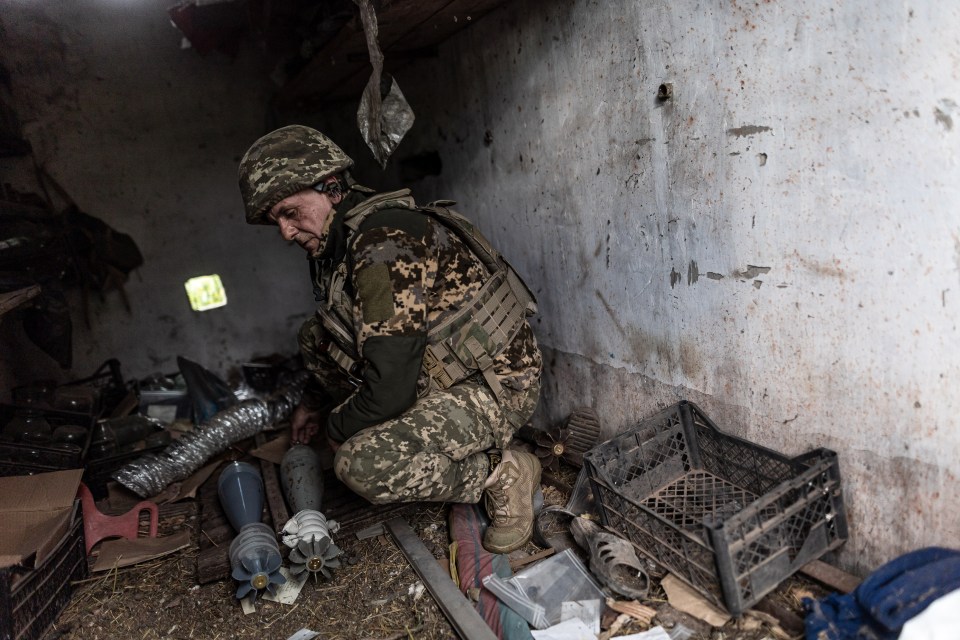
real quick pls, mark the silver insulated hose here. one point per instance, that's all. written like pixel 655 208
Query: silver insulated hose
pixel 153 472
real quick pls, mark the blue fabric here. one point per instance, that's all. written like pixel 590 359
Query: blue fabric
pixel 887 599
pixel 906 586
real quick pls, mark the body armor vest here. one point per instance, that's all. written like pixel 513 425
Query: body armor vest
pixel 463 344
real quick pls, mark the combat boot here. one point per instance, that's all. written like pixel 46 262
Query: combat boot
pixel 508 497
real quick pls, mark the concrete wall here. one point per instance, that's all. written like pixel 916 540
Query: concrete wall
pixel 147 137
pixel 780 242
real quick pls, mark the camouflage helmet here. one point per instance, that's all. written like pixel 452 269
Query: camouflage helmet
pixel 283 162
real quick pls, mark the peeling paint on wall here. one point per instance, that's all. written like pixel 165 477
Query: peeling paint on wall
pixel 748 130
pixel 944 112
pixel 750 272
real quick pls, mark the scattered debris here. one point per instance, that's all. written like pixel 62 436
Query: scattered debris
pixel 686 599
pixel 123 553
pixel 634 609
pixel 385 588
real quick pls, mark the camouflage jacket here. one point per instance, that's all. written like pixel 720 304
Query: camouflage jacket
pixel 405 272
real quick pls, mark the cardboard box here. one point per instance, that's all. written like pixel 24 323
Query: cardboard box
pixel 35 513
pixel 31 598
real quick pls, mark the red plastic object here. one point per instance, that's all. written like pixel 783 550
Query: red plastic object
pixel 97 526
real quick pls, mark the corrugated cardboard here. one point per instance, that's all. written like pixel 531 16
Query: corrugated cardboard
pixel 123 553
pixel 35 513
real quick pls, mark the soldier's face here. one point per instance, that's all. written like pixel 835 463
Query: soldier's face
pixel 303 217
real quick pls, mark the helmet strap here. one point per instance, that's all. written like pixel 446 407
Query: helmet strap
pixel 333 188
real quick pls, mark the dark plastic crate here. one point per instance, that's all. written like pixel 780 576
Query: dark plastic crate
pixel 30 601
pixel 18 458
pixel 730 518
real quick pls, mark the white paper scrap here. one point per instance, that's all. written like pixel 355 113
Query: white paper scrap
pixel 304 634
pixel 572 629
pixel 288 591
pixel 247 606
pixel 586 610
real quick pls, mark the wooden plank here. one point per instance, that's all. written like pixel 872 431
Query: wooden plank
pixel 216 535
pixel 328 67
pixel 448 20
pixel 830 576
pixel 271 487
pixel 340 69
pixel 13 299
pixel 213 560
pixel 213 564
pixel 522 562
pixel 787 619
pixel 459 611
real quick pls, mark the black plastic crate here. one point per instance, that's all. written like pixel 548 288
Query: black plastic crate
pixel 18 458
pixel 730 518
pixel 30 601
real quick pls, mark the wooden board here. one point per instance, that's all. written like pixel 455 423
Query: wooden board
pixel 830 576
pixel 271 486
pixel 13 299
pixel 407 29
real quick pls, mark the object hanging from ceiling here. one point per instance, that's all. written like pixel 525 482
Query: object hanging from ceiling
pixel 384 116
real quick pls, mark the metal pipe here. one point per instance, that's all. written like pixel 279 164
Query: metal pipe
pixel 152 473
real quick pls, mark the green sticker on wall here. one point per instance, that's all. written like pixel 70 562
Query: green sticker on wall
pixel 206 292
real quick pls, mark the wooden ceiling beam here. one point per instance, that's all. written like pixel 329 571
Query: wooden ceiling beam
pixel 407 29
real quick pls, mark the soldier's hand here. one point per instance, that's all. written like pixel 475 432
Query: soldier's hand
pixel 304 425
pixel 334 445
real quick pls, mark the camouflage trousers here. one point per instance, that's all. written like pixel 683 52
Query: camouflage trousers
pixel 434 451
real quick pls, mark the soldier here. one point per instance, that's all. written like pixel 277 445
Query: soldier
pixel 423 362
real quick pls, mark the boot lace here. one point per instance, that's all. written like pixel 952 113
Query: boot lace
pixel 497 503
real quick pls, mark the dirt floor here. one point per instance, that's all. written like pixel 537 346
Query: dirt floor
pixel 374 595
pixel 369 597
